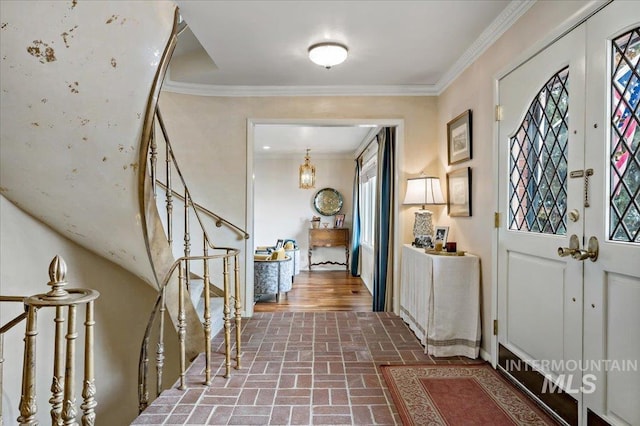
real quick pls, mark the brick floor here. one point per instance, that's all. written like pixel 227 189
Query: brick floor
pixel 298 368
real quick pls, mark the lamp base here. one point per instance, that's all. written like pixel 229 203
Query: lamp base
pixel 423 225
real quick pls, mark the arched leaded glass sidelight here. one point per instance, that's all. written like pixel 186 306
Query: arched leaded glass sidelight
pixel 624 168
pixel 538 162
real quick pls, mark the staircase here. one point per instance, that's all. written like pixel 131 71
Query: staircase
pixel 80 84
pixel 189 273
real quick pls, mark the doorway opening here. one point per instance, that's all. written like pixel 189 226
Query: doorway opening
pixel 277 209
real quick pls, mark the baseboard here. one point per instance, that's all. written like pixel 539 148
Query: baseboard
pixel 559 403
pixel 485 355
pixel 594 420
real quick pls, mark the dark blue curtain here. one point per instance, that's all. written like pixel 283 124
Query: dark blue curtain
pixel 355 228
pixel 383 253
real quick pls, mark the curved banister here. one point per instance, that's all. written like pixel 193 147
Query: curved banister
pixel 230 253
pixel 196 206
pixel 144 350
pixel 218 219
pixel 12 323
pixel 147 131
pixel 164 267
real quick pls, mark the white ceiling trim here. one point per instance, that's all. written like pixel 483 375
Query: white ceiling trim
pixel 506 19
pixel 244 91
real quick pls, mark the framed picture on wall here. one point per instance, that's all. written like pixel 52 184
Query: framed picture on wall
pixel 459 138
pixel 459 192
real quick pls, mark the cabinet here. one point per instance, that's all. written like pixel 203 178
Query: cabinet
pixel 329 237
pixel 440 301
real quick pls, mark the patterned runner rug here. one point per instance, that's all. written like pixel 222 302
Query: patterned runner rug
pixel 459 395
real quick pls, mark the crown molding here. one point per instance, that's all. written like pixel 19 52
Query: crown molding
pixel 502 23
pixel 262 91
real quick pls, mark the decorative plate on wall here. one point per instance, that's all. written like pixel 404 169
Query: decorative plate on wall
pixel 327 201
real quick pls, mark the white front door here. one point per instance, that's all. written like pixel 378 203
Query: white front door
pixel 612 282
pixel 573 318
pixel 541 142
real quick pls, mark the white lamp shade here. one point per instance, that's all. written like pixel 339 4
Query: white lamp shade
pixel 328 54
pixel 423 191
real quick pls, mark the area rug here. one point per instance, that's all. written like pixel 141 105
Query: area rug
pixel 454 395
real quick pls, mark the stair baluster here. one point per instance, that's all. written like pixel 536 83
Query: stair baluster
pixel 238 308
pixel 182 326
pixel 207 317
pixel 63 408
pixel 227 320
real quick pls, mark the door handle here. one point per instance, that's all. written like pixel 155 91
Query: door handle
pixel 590 253
pixel 574 247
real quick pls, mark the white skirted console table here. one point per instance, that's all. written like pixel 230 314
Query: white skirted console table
pixel 440 301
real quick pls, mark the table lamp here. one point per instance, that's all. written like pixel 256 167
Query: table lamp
pixel 423 191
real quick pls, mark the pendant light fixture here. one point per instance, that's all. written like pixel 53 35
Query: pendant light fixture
pixel 307 174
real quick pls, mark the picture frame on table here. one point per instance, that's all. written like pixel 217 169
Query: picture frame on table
pixel 441 233
pixel 459 141
pixel 279 244
pixel 459 192
pixel 339 221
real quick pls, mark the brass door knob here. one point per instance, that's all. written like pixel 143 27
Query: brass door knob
pixel 574 246
pixel 591 252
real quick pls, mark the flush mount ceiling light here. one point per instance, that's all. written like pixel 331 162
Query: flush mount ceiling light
pixel 328 54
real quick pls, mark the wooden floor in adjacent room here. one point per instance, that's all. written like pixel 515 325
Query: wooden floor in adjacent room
pixel 318 291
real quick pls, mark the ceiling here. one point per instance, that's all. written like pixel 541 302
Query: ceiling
pixel 293 139
pixel 259 48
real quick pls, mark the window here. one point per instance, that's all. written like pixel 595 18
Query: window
pixel 624 178
pixel 369 166
pixel 538 162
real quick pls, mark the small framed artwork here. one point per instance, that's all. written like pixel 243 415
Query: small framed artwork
pixel 279 244
pixel 459 192
pixel 339 222
pixel 440 234
pixel 459 138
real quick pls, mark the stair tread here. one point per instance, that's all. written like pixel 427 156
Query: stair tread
pixel 217 305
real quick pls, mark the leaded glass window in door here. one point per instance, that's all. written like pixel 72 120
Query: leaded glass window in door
pixel 624 167
pixel 538 161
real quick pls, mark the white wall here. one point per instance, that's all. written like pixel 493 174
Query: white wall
pixel 209 137
pixel 121 313
pixel 283 210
